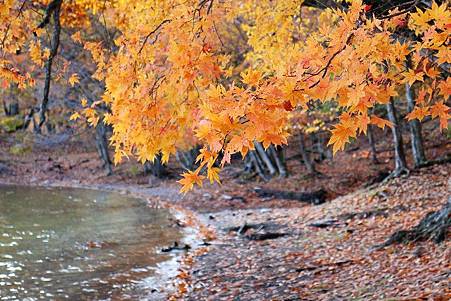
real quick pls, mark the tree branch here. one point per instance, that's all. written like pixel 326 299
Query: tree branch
pixel 54 8
pixel 151 33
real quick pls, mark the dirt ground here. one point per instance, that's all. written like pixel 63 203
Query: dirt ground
pixel 334 260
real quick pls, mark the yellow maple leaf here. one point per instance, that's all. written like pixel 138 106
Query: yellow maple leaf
pixel 74 79
pixel 76 37
pixel 213 174
pixel 251 77
pixel 74 116
pixel 439 12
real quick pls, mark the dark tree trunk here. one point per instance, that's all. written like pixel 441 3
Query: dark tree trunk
pixel 305 156
pixel 256 162
pixel 265 158
pixel 11 109
pixel 54 8
pixel 324 152
pixel 102 147
pixel 415 131
pixel 372 145
pixel 266 163
pixel 279 158
pixel 155 168
pixel 187 159
pixel 400 157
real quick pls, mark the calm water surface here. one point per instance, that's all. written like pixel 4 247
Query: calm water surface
pixel 76 244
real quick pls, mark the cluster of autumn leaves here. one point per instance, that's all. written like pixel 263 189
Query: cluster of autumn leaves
pixel 227 73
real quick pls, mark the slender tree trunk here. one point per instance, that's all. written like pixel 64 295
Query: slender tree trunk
pixel 28 118
pixel 248 164
pixel 11 109
pixel 187 159
pixel 155 168
pixel 54 8
pixel 415 131
pixel 372 145
pixel 400 157
pixel 266 163
pixel 258 165
pixel 305 156
pixel 324 152
pixel 102 147
pixel 264 156
pixel 279 158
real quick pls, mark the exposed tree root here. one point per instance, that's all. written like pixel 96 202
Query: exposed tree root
pixel 315 197
pixel 434 226
pixel 397 173
pixel 444 160
pixel 265 236
pixel 326 265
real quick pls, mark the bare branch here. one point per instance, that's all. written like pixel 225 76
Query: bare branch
pixel 151 33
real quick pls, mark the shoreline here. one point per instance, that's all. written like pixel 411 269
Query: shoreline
pixel 162 282
pixel 306 263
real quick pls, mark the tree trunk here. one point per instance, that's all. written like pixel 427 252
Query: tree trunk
pixel 265 158
pixel 53 8
pixel 324 152
pixel 400 157
pixel 258 165
pixel 305 156
pixel 187 159
pixel 102 147
pixel 372 145
pixel 415 131
pixel 279 158
pixel 155 168
pixel 11 109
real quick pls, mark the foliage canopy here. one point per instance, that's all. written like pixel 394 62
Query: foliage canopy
pixel 228 73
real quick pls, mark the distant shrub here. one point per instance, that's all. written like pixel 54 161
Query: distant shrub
pixel 19 149
pixel 11 123
pixel 134 171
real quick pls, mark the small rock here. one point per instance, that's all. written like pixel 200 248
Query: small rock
pixel 207 196
pixel 3 168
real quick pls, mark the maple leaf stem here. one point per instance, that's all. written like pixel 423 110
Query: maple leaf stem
pixel 410 6
pixel 151 33
pixel 329 62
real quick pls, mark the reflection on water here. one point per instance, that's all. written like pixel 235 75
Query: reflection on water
pixel 77 244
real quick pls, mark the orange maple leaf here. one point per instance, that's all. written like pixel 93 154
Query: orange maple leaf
pixel 189 179
pixel 380 122
pixel 411 77
pixel 418 113
pixel 441 110
pixel 251 77
pixel 340 136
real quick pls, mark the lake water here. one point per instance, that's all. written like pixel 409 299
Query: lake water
pixel 77 244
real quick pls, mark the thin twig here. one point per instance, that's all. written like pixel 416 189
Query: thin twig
pixel 151 33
